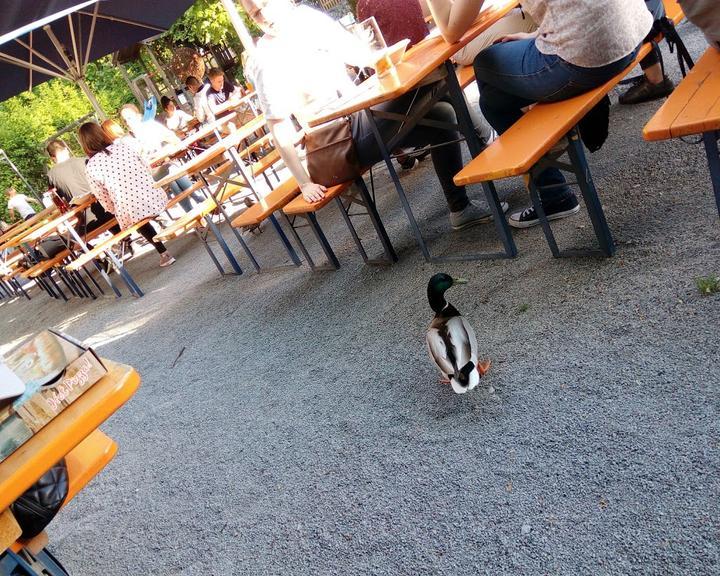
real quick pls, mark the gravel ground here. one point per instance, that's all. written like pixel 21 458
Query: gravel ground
pixel 303 429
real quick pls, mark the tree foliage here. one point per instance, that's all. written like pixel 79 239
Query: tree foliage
pixel 206 23
pixel 30 118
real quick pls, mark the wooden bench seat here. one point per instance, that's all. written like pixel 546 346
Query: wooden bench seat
pixel 694 109
pixel 531 137
pixel 465 75
pixel 298 206
pixel 301 206
pixel 694 106
pixel 103 246
pixel 272 157
pixel 187 221
pixel 86 461
pixel 518 149
pixel 275 200
pixel 673 11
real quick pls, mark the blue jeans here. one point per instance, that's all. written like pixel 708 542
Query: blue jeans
pixel 447 159
pixel 183 184
pixel 515 74
pixel 177 186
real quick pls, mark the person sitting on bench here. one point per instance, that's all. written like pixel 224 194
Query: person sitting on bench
pixel 577 47
pixel 221 92
pixel 152 136
pixel 21 203
pixel 292 69
pixel 653 84
pixel 176 119
pixel 68 177
pixel 123 184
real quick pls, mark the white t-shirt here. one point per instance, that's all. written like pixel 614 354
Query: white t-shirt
pixel 304 63
pixel 20 204
pixel 152 136
pixel 178 120
pixel 200 105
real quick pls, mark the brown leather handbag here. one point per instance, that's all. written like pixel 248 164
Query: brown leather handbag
pixel 331 155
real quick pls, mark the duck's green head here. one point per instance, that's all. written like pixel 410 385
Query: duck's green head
pixel 437 286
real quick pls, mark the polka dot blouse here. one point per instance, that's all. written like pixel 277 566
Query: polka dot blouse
pixel 124 186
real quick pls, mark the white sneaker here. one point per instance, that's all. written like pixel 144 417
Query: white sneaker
pixel 474 213
pixel 166 260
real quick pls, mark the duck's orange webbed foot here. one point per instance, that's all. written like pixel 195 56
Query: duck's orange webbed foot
pixel 484 367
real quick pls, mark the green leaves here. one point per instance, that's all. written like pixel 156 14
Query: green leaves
pixel 206 23
pixel 28 119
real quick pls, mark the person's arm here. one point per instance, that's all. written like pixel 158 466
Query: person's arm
pixel 454 18
pixel 284 135
pixel 167 135
pixel 12 213
pixel 33 200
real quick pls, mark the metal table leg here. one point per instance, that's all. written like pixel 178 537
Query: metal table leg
pixel 710 140
pixel 473 142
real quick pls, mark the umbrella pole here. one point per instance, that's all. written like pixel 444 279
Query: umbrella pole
pixel 239 25
pixel 90 96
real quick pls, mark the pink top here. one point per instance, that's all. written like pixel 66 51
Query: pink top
pixel 122 183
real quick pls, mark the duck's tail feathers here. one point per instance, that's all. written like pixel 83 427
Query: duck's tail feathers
pixel 465 379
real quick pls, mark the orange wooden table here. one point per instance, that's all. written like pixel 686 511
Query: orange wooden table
pixel 181 147
pixel 694 108
pixel 23 467
pixel 19 227
pixel 419 64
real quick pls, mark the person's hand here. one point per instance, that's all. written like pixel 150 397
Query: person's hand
pixel 516 36
pixel 313 192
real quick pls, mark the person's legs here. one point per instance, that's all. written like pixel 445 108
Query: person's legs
pixel 654 83
pixel 445 159
pixel 148 232
pixel 513 75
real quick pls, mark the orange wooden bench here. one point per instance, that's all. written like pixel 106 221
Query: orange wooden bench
pixel 72 279
pixel 532 144
pixel 105 247
pixel 694 108
pixel 265 209
pixel 83 462
pixel 354 195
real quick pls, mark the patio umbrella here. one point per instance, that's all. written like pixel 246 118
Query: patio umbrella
pixel 44 39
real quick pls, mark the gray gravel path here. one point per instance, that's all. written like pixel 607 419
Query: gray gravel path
pixel 303 430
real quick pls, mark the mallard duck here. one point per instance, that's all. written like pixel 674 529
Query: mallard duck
pixel 451 340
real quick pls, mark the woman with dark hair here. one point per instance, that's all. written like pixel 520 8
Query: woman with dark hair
pixel 176 119
pixel 122 183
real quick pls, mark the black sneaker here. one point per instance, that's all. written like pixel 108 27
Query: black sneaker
pixel 644 91
pixel 528 217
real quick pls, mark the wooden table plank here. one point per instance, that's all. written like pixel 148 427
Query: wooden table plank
pixel 417 64
pixel 24 466
pixel 50 227
pixel 694 106
pixel 696 115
